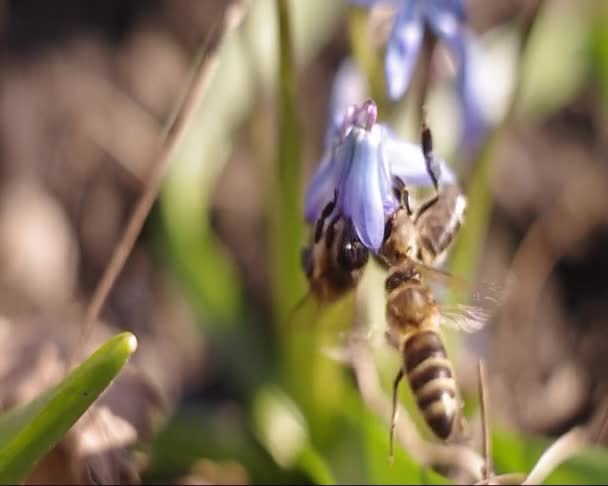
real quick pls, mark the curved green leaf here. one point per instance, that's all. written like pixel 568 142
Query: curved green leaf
pixel 29 432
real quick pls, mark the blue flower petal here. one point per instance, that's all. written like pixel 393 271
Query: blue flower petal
pixel 445 19
pixel 390 202
pixel 360 194
pixel 406 161
pixel 474 122
pixel 456 8
pixel 402 48
pixel 447 25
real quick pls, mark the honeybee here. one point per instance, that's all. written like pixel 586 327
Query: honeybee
pixel 335 259
pixel 414 319
pixel 413 244
pixel 413 316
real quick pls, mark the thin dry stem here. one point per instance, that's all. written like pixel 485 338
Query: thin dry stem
pixel 509 478
pixel 158 168
pixel 568 445
pixel 488 471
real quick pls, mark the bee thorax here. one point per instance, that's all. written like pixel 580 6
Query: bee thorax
pixel 410 306
pixel 401 239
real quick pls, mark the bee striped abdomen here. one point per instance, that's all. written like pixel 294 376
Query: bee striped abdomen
pixel 432 382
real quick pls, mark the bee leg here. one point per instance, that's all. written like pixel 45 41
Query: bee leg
pixel 394 414
pixel 405 202
pixel 432 167
pixel 402 194
pixel 426 206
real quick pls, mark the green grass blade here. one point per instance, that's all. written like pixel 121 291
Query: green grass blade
pixel 315 465
pixel 286 214
pixel 29 432
pixel 288 228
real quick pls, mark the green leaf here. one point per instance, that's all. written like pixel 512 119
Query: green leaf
pixel 29 432
pixel 315 465
pixel 512 452
pixel 404 470
pixel 216 434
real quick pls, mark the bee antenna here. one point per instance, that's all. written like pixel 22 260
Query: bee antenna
pixel 297 306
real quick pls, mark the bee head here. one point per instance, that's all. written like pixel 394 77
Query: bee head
pixel 352 254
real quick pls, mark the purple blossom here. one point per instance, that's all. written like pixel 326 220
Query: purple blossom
pixel 358 169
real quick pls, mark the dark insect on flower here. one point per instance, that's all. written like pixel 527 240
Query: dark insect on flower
pixel 447 21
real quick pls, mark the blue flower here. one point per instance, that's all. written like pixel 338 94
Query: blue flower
pixel 447 20
pixel 358 170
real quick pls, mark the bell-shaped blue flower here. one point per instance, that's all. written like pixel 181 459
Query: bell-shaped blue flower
pixel 358 170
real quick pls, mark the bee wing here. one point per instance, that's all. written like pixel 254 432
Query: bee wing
pixel 340 348
pixel 473 315
pixel 490 295
pixel 464 317
pixel 478 306
pixel 443 278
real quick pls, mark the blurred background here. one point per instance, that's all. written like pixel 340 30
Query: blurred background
pixel 227 387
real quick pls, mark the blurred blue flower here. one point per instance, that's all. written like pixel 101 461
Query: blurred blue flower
pixel 447 20
pixel 359 168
